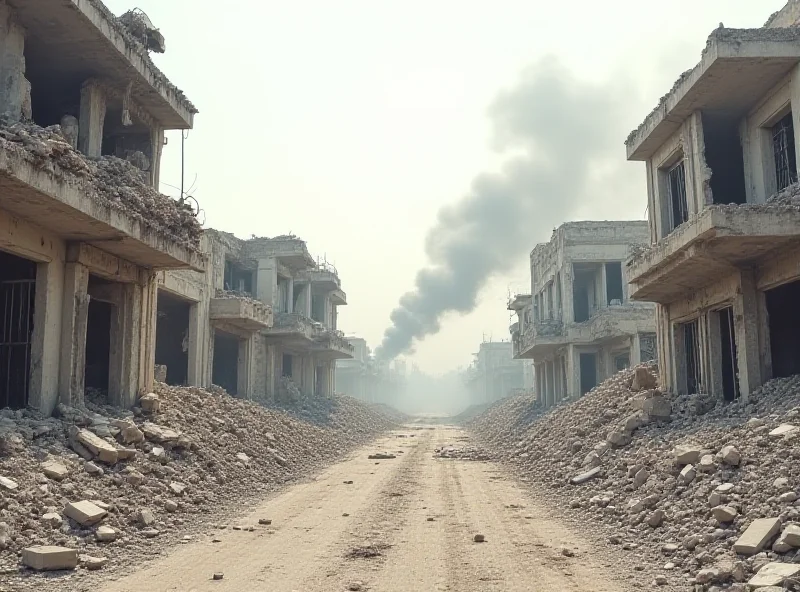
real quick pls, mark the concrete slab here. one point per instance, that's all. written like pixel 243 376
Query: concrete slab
pixel 757 536
pixel 84 512
pixel 50 558
pixel 55 470
pixel 773 574
pixel 103 450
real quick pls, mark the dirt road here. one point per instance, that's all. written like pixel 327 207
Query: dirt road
pixel 403 524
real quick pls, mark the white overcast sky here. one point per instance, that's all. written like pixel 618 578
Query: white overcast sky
pixel 350 123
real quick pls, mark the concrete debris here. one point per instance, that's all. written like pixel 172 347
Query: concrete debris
pixel 49 558
pixel 150 403
pixel 463 453
pixel 479 538
pixel 110 180
pixel 774 574
pixel 712 488
pixel 381 456
pixel 55 470
pixel 92 563
pixel 117 511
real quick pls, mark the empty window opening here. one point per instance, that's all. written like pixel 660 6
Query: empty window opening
pixel 130 140
pixel 676 188
pixel 784 320
pixel 237 278
pixel 284 294
pixel 725 157
pixel 17 294
pixel 225 368
pixel 583 293
pixel 318 308
pixel 614 283
pixel 783 149
pixel 55 91
pixel 286 368
pixel 98 349
pixel 730 364
pixel 648 347
pixel 172 337
pixel 691 345
pixel 622 361
pixel 588 371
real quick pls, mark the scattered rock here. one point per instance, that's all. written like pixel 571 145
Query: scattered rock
pixel 92 563
pixel 105 534
pixel 84 512
pixel 55 470
pixel 150 403
pixel 49 558
pixel 479 538
pixel 760 532
pixel 218 575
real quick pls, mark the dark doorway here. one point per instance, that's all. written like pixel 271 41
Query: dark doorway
pixel 614 282
pixel 588 372
pixel 225 369
pixel 582 285
pixel 725 158
pixel 783 149
pixel 172 337
pixel 691 345
pixel 17 294
pixel 784 320
pixel 286 366
pixel 730 364
pixel 98 347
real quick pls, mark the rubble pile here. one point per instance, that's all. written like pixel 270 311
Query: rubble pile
pixel 676 481
pixel 110 180
pixel 113 485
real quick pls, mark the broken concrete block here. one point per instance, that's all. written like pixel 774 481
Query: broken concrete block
pixel 731 456
pixel 103 450
pixel 707 464
pixel 687 454
pixel 126 453
pixel 150 403
pixel 760 532
pixel 774 574
pixel 643 379
pixel 791 535
pixel 84 512
pixel 7 483
pixel 783 430
pixel 129 433
pixel 105 534
pixel 687 475
pixel 55 470
pixel 725 513
pixel 584 477
pixel 159 434
pixel 160 373
pixel 145 517
pixel 52 519
pixel 49 558
pixel 92 563
pixel 92 468
pixel 177 488
pixel 617 439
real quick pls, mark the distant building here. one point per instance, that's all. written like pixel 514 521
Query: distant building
pixel 494 373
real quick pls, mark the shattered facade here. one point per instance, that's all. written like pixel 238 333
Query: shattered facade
pixel 494 373
pixel 259 322
pixel 83 229
pixel 578 325
pixel 721 155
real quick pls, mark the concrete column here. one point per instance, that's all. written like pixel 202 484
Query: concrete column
pixel 156 147
pixel 244 386
pixel 603 301
pixel 746 324
pixel 144 300
pixel 307 375
pixel 714 344
pixel 93 115
pixel 46 338
pixel 14 88
pixel 334 316
pixel 198 338
pixel 567 278
pixel 290 295
pixel 74 318
pixel 573 372
pixel 636 349
pixel 272 372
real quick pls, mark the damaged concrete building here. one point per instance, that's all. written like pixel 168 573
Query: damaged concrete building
pixel 260 322
pixel 578 325
pixel 367 378
pixel 494 373
pixel 83 231
pixel 721 154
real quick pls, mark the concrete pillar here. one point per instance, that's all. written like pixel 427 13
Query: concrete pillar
pixel 603 300
pixel 714 344
pixel 746 320
pixel 290 295
pixel 92 118
pixel 567 279
pixel 307 375
pixel 156 147
pixel 198 337
pixel 244 385
pixel 14 88
pixel 272 372
pixel 636 349
pixel 46 338
pixel 573 372
pixel 74 318
pixel 334 316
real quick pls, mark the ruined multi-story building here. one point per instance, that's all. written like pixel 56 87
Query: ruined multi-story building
pixel 355 376
pixel 721 153
pixel 83 231
pixel 261 319
pixel 578 324
pixel 494 373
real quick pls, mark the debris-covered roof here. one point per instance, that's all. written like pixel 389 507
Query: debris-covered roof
pixel 109 180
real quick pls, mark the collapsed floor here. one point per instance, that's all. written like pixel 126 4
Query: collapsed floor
pixel 194 455
pixel 675 488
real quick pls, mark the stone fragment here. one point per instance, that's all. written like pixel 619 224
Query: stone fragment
pixel 49 558
pixel 7 483
pixel 129 433
pixel 242 457
pixel 688 473
pixel 657 406
pixel 145 517
pixel 760 532
pixel 177 488
pixel 479 538
pixel 584 477
pixel 781 484
pixel 92 468
pixel 783 430
pixel 84 512
pixel 159 434
pixel 686 454
pixel 218 575
pixel 656 518
pixel 265 521
pixel 788 497
pixel 135 478
pixel 725 513
pixel 618 439
pixel 707 464
pixel 791 535
pixel 150 403
pixel 707 575
pixel 724 488
pixel 170 506
pixel 103 450
pixel 105 534
pixel 641 478
pixel 92 563
pixel 55 470
pixel 774 574
pixel 150 533
pixel 643 379
pixel 731 456
pixel 52 519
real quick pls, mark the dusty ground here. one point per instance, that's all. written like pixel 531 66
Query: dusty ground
pixel 375 534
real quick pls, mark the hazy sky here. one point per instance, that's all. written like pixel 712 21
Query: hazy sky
pixel 352 123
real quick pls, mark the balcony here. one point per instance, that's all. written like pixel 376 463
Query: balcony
pixel 539 337
pixel 289 250
pixel 239 311
pixel 710 247
pixel 737 69
pixel 615 321
pixel 331 344
pixel 297 331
